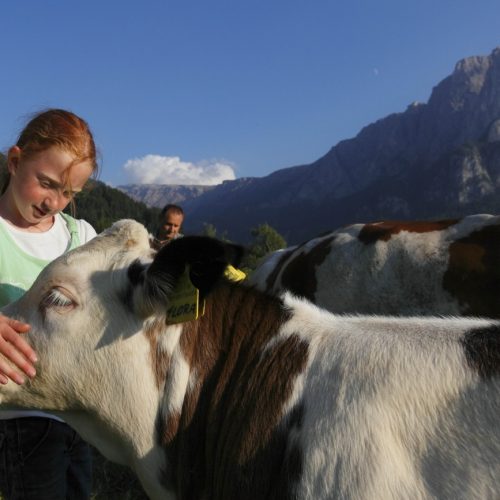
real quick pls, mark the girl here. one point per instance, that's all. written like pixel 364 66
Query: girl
pixel 40 456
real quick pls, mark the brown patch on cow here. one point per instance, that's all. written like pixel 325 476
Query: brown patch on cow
pixel 131 242
pixel 299 275
pixel 259 386
pixel 473 273
pixel 167 425
pixel 170 427
pixel 231 440
pixel 273 275
pixel 160 360
pixel 482 350
pixel 383 231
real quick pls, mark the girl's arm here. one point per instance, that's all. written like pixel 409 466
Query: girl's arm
pixel 16 350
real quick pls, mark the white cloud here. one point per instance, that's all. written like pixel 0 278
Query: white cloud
pixel 156 169
pixel 376 71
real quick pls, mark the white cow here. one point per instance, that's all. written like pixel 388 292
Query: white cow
pixel 446 267
pixel 261 397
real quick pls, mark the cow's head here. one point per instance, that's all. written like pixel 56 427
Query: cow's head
pixel 87 306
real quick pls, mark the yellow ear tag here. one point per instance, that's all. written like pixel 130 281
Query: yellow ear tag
pixel 233 274
pixel 184 301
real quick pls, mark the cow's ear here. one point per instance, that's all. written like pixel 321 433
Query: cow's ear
pixel 206 257
pixel 208 260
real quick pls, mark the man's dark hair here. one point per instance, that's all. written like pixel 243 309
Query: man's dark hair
pixel 176 209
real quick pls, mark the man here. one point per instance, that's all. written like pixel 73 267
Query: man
pixel 170 222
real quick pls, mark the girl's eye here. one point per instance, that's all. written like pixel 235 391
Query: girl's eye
pixel 55 298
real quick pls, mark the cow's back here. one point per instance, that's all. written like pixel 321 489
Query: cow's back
pixel 449 267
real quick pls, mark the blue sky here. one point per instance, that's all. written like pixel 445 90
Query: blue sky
pixel 197 91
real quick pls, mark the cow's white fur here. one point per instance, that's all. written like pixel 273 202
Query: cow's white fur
pixel 370 409
pixel 83 354
pixel 403 276
pixel 391 408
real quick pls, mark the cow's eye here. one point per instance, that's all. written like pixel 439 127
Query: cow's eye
pixel 57 299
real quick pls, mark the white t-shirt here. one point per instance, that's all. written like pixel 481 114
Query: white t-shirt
pixel 52 243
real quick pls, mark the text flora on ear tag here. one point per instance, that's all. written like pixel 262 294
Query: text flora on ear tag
pixel 184 301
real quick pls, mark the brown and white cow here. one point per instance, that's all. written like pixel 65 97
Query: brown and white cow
pixel 448 267
pixel 261 397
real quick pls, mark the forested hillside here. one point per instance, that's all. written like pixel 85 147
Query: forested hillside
pixel 102 205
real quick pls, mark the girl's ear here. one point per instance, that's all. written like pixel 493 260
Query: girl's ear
pixel 13 158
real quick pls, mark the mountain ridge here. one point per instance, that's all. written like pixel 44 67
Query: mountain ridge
pixel 447 149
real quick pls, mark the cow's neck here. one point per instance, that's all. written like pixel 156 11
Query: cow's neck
pixel 121 421
pixel 231 404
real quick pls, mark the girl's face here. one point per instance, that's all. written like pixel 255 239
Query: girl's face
pixel 38 189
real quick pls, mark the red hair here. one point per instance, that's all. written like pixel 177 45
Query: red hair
pixel 60 128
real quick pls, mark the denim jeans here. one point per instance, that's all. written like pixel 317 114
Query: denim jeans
pixel 43 459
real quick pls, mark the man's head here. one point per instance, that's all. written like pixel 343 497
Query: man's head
pixel 170 222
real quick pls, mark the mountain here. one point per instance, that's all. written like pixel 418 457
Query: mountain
pixel 435 159
pixel 158 195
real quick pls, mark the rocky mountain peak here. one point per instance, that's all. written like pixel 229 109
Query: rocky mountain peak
pixel 494 131
pixel 435 159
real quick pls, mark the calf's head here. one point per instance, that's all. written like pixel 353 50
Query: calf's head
pixel 87 308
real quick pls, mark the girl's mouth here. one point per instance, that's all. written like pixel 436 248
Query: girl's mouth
pixel 40 213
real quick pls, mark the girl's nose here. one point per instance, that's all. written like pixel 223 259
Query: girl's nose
pixel 55 202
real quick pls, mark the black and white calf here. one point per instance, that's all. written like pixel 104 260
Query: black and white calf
pixel 261 397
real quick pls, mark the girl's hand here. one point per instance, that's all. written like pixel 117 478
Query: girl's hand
pixel 16 350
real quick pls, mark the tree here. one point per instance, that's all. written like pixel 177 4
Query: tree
pixel 4 172
pixel 211 231
pixel 101 205
pixel 265 240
